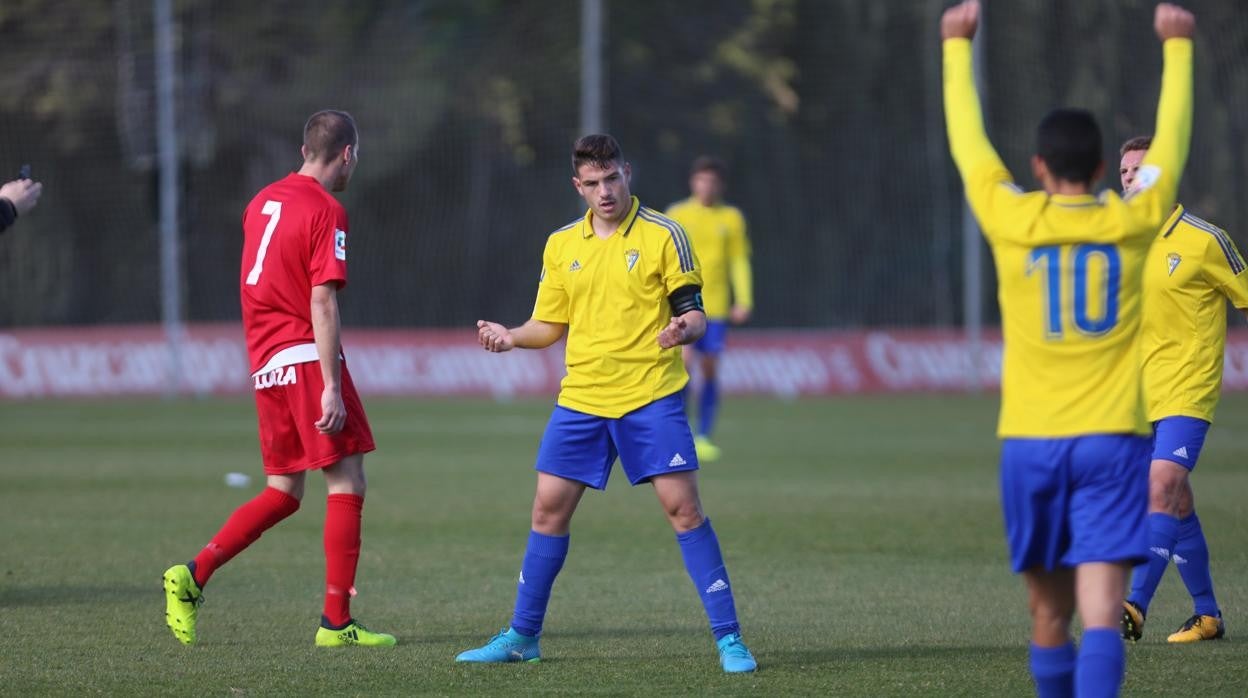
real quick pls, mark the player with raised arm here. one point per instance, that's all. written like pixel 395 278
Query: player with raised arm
pixel 623 283
pixel 1074 454
pixel 1192 270
pixel 717 231
pixel 294 263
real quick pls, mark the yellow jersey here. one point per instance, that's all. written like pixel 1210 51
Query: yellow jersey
pixel 1069 268
pixel 613 295
pixel 718 234
pixel 1192 269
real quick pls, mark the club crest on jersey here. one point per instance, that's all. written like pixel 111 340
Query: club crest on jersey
pixel 1172 262
pixel 632 256
pixel 278 376
pixel 576 265
pixel 340 244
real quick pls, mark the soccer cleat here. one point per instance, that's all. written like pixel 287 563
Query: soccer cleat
pixel 507 646
pixel 734 656
pixel 182 600
pixel 353 635
pixel 706 450
pixel 1199 628
pixel 1132 621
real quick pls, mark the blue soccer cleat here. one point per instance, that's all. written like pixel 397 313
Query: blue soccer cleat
pixel 507 646
pixel 734 656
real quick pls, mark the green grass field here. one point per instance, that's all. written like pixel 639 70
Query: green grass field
pixel 863 536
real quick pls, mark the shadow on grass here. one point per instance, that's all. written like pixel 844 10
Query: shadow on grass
pixel 475 639
pixel 857 655
pixel 61 595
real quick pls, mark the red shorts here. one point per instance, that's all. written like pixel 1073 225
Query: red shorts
pixel 288 403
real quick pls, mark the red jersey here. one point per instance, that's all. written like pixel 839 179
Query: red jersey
pixel 294 238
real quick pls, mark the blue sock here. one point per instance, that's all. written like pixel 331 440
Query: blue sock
pixel 1053 669
pixel 1102 662
pixel 542 561
pixel 1192 558
pixel 1163 532
pixel 705 564
pixel 708 407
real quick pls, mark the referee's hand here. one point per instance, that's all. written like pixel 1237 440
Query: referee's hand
pixel 23 193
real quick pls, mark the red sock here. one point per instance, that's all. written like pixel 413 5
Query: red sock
pixel 242 529
pixel 343 513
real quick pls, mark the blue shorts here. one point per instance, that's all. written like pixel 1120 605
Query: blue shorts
pixel 1179 440
pixel 651 440
pixel 713 341
pixel 1076 500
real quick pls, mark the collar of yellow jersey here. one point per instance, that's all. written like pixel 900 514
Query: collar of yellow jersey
pixel 1075 199
pixel 1169 225
pixel 626 225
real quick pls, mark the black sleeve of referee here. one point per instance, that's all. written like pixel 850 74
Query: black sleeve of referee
pixel 8 214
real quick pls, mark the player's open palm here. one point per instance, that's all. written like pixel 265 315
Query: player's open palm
pixel 494 337
pixel 333 412
pixel 960 21
pixel 674 334
pixel 1173 22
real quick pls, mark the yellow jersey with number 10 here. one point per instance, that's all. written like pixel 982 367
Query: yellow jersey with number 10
pixel 1069 267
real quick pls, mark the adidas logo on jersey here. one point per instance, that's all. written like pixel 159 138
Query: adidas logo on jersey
pixel 676 461
pixel 719 585
pixel 1160 552
pixel 278 376
pixel 1181 452
pixel 576 265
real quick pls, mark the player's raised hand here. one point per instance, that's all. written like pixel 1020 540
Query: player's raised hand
pixel 1173 22
pixel 960 21
pixel 494 337
pixel 333 411
pixel 674 334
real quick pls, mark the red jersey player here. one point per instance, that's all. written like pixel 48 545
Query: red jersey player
pixel 294 263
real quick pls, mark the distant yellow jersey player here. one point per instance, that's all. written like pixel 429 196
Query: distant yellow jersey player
pixel 718 234
pixel 1069 264
pixel 1192 270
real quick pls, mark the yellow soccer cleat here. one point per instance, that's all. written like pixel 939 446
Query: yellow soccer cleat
pixel 182 600
pixel 706 450
pixel 1199 628
pixel 1132 621
pixel 354 635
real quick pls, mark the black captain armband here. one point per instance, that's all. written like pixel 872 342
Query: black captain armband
pixel 686 299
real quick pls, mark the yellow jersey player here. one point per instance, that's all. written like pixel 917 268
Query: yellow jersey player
pixel 623 283
pixel 1074 455
pixel 718 234
pixel 1192 270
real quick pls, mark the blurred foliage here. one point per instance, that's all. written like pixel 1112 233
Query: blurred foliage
pixel 827 113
